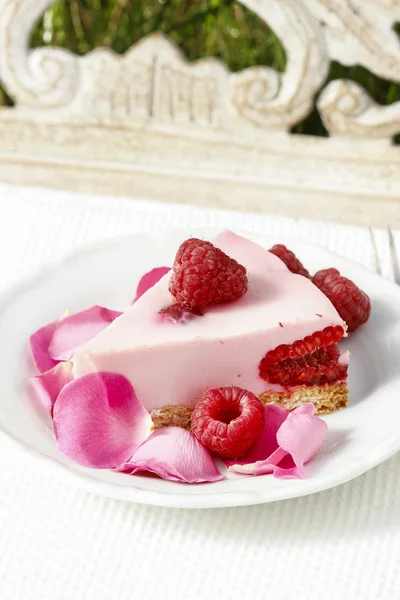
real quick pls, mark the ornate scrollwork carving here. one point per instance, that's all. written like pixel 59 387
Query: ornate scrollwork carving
pixel 154 82
pixel 359 32
pixel 279 101
pixel 348 111
pixel 45 77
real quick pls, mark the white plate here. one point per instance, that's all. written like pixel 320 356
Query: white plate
pixel 359 438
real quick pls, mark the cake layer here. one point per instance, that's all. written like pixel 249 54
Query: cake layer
pixel 326 398
pixel 174 363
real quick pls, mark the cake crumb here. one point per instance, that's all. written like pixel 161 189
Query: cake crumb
pixel 172 416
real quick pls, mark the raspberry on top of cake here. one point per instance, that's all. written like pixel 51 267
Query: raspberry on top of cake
pixel 250 322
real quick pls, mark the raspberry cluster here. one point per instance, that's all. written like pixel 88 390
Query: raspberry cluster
pixel 352 304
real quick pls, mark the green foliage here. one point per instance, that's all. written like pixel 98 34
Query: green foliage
pixel 220 28
pixel 5 99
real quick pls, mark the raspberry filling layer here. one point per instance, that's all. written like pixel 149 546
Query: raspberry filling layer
pixel 311 361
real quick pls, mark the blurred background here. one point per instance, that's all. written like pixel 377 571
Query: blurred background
pixel 219 28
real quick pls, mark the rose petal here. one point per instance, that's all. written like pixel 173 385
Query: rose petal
pixel 74 331
pixel 304 409
pixel 294 438
pixel 301 436
pixel 99 421
pixel 58 340
pixel 266 444
pixel 48 385
pixel 176 454
pixel 39 344
pixel 149 279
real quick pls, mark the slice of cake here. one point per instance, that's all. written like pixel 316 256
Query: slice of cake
pixel 278 340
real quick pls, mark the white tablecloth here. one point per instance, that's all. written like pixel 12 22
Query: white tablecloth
pixel 61 543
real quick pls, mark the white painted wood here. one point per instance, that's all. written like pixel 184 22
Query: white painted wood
pixel 348 111
pixel 149 123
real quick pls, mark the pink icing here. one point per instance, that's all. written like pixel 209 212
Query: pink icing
pixel 169 363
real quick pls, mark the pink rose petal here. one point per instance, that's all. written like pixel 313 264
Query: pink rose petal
pixel 39 344
pixel 99 421
pixel 176 454
pixel 58 340
pixel 288 441
pixel 266 444
pixel 302 436
pixel 48 385
pixel 74 331
pixel 304 409
pixel 149 279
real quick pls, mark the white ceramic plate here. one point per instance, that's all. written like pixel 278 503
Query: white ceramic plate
pixel 359 438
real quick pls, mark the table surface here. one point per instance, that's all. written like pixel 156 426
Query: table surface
pixel 61 543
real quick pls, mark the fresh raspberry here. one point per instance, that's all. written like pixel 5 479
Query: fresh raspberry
pixel 204 275
pixel 318 368
pixel 311 361
pixel 290 260
pixel 352 304
pixel 228 420
pixel 311 343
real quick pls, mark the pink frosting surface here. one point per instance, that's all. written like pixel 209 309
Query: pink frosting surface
pixel 170 363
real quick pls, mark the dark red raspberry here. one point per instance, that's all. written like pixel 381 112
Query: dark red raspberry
pixel 311 361
pixel 290 260
pixel 318 368
pixel 228 421
pixel 311 343
pixel 204 275
pixel 352 304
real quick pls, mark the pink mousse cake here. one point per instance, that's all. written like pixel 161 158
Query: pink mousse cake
pixel 279 340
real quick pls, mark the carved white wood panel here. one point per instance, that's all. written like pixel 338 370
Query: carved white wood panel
pixel 150 111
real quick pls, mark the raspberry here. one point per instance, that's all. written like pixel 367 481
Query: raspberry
pixel 204 275
pixel 311 343
pixel 311 361
pixel 228 420
pixel 290 260
pixel 318 368
pixel 352 304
